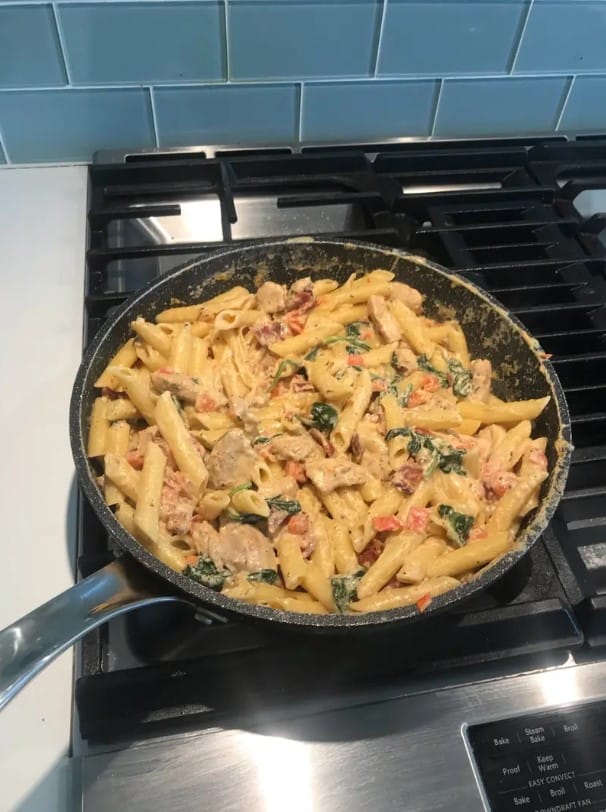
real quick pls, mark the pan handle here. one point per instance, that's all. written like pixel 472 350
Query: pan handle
pixel 31 643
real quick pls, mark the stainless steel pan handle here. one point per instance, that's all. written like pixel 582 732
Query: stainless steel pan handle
pixel 31 643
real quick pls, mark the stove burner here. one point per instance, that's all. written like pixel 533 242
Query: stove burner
pixel 513 217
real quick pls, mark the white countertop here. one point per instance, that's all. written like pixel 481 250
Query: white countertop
pixel 42 232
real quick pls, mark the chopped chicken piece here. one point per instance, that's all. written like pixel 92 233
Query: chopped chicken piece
pixel 243 548
pixel 336 472
pixel 142 439
pixel 299 383
pixel 382 320
pixel 270 332
pixel 231 461
pixel 205 537
pixel 271 298
pixel 177 502
pixel 410 296
pixel 297 448
pixel 404 360
pixel 181 386
pixel 407 478
pixel 481 372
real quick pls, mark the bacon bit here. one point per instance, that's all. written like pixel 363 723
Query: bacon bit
pixel 417 519
pixel 281 388
pixel 371 552
pixel 430 383
pixel 301 384
pixel 379 385
pixel 478 533
pixel 386 524
pixel 418 398
pixel 300 301
pixel 356 448
pixel 323 440
pixel 296 470
pixel 268 333
pixel 423 602
pixel 295 321
pixel 298 524
pixel 205 403
pixel 355 361
pixel 407 477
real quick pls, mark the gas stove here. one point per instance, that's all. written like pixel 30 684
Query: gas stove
pixel 177 711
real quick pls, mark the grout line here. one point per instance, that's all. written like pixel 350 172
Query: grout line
pixel 152 100
pixel 331 80
pixel 564 104
pixel 380 37
pixel 226 38
pixel 300 122
pixel 4 150
pixel 516 51
pixel 436 108
pixel 62 46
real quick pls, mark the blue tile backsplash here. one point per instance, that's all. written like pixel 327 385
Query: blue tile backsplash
pixel 77 76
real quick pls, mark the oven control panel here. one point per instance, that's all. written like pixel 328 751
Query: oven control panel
pixel 544 762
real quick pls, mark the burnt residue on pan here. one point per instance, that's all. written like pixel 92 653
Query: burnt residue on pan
pixel 521 370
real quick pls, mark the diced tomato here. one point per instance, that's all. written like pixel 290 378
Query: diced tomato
pixel 430 383
pixel 417 398
pixel 135 459
pixel 165 371
pixel 298 524
pixel 191 559
pixel 205 403
pixel 355 361
pixel 386 524
pixel 366 335
pixel 295 322
pixel 417 519
pixel 296 470
pixel 478 533
pixel 423 602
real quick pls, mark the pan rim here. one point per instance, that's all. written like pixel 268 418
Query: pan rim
pixel 231 606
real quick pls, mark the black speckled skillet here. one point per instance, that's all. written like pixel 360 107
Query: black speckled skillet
pixel 521 372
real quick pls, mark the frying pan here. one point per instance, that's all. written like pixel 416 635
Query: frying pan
pixel 521 371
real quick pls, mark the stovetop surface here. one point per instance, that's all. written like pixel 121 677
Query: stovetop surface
pixel 520 218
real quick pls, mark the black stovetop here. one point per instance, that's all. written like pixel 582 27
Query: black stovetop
pixel 502 213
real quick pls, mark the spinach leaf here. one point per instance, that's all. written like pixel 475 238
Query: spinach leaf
pixel 265 576
pixel 354 329
pixel 206 572
pixel 312 354
pixel 345 589
pixel 281 370
pixel 245 486
pixel 423 363
pixel 352 341
pixel 261 440
pixel 242 518
pixel 323 417
pixel 290 506
pixel 442 456
pixel 461 378
pixel 459 524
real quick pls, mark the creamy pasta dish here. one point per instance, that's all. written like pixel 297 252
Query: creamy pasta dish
pixel 314 448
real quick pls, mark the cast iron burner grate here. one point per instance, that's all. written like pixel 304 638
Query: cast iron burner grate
pixel 499 213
